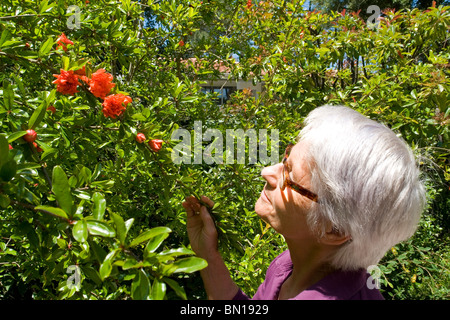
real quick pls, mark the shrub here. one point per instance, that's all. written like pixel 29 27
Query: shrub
pixel 91 212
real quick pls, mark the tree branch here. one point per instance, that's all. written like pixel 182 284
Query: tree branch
pixel 36 61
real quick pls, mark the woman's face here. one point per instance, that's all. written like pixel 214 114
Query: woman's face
pixel 286 210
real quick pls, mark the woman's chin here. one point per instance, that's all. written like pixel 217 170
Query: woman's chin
pixel 262 209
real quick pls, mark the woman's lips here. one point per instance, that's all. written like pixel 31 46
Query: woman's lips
pixel 265 197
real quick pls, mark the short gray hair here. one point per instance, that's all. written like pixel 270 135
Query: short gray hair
pixel 367 181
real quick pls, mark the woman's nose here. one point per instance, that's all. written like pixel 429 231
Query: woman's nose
pixel 271 174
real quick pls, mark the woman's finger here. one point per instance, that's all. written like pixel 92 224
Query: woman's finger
pixel 208 221
pixel 208 201
pixel 188 208
pixel 195 205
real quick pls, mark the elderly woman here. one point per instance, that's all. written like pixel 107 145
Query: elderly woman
pixel 344 194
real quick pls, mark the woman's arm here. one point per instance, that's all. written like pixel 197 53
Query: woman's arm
pixel 203 238
pixel 217 280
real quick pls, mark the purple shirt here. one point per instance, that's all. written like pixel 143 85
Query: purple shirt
pixel 339 285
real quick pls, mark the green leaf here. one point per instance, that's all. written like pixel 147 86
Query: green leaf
pixel 120 227
pixel 190 264
pixel 106 266
pixel 50 97
pixel 80 231
pixel 33 238
pixel 92 274
pixel 155 242
pixel 128 224
pixel 61 189
pixel 19 83
pixel 131 263
pixel 99 206
pixel 99 228
pixel 54 211
pixel 176 287
pixel 158 290
pixel 37 116
pixel 397 125
pixel 44 6
pixel 16 135
pixel 65 63
pixel 4 150
pixel 45 47
pixel 56 254
pixel 177 252
pixel 149 234
pixel 48 152
pixel 8 170
pixel 97 171
pixel 6 35
pixel 140 287
pixel 99 252
pixel 29 167
pixel 84 175
pixel 11 44
pixel 4 201
pixel 8 95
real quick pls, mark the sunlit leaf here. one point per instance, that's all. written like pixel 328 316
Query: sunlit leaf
pixel 158 290
pixel 45 47
pixel 61 189
pixel 100 228
pixel 120 227
pixel 99 206
pixel 146 235
pixel 52 210
pixel 140 287
pixel 80 231
pixel 190 264
pixel 106 266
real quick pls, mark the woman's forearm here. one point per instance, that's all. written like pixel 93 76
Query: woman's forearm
pixel 217 280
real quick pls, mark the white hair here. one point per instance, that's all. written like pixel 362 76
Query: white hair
pixel 367 182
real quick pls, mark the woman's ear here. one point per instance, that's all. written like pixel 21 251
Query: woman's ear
pixel 333 236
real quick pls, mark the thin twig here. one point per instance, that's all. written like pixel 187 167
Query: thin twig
pixel 20 15
pixel 36 61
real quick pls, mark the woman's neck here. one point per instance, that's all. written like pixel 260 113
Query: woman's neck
pixel 309 266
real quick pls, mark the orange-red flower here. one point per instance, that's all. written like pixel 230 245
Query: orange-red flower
pixel 62 41
pixel 115 104
pixel 81 72
pixel 52 109
pixel 100 83
pixel 38 149
pixel 140 137
pixel 155 144
pixel 66 82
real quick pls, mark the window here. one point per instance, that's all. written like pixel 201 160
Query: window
pixel 223 93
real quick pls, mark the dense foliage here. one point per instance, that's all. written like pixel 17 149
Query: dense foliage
pixel 354 5
pixel 91 198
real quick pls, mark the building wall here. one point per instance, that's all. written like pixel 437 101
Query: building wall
pixel 238 84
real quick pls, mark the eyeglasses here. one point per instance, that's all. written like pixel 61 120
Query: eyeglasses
pixel 286 181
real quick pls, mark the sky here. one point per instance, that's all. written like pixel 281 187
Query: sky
pixel 306 5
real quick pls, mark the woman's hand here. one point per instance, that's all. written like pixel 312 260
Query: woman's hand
pixel 203 237
pixel 200 227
